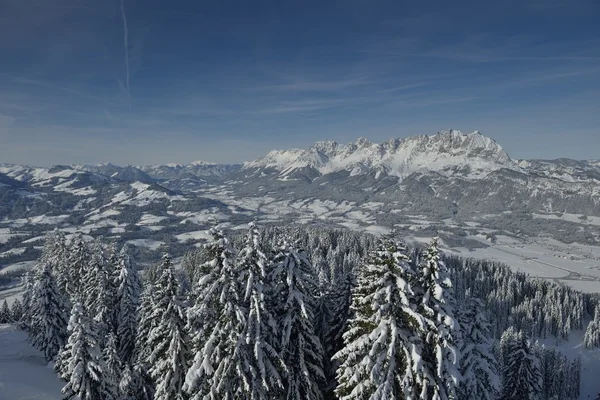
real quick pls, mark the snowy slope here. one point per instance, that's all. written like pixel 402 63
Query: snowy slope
pixel 448 152
pixel 24 373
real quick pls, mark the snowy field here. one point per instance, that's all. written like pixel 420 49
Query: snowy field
pixel 574 265
pixel 24 373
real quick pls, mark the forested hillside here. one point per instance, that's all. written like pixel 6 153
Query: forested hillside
pixel 299 313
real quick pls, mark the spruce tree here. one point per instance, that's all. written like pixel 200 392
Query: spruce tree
pixel 17 311
pixel 379 347
pixel 82 365
pixel 521 376
pixel 48 331
pixel 128 287
pixel 439 376
pixel 591 340
pixel 219 357
pixel 263 367
pixel 5 314
pixel 145 323
pixel 301 348
pixel 113 366
pixel 29 281
pixel 55 253
pixel 340 302
pixel 478 365
pixel 205 297
pixel 97 291
pixel 168 340
pixel 76 268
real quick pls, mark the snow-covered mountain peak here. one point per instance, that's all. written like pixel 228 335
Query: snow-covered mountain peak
pixel 456 143
pixel 200 163
pixel 326 147
pixel 447 152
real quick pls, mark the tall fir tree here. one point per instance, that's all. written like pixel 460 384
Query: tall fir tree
pixel 17 311
pixel 591 340
pixel 301 348
pixel 478 364
pixel 340 301
pixel 111 375
pixel 76 267
pixel 218 362
pixel 82 365
pixel 97 293
pixel 521 376
pixel 204 311
pixel 439 376
pixel 5 314
pixel 126 301
pixel 55 252
pixel 206 299
pixel 48 331
pixel 379 352
pixel 139 381
pixel 29 282
pixel 168 340
pixel 262 366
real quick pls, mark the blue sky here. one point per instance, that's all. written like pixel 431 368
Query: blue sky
pixel 227 81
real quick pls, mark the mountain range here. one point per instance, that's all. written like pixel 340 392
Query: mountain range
pixel 448 175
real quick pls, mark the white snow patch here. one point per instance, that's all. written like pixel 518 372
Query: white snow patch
pixel 149 219
pixel 195 235
pixel 24 372
pixel 148 243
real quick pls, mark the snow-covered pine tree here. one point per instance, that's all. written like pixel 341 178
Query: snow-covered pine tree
pixel 219 355
pixel 478 365
pixel 205 296
pixel 29 281
pixel 145 323
pixel 211 284
pixel 17 311
pixel 439 377
pixel 97 291
pixel 340 301
pixel 168 340
pixel 322 318
pixel 301 348
pixel 591 340
pixel 128 288
pixel 82 365
pixel 264 367
pixel 113 366
pixel 55 253
pixel 76 268
pixel 130 385
pixel 48 329
pixel 139 382
pixel 521 376
pixel 379 352
pixel 5 314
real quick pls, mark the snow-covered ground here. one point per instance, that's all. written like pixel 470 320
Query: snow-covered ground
pixel 575 265
pixel 148 243
pixel 195 235
pixel 590 362
pixel 24 373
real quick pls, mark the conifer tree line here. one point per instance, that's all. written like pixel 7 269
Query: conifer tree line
pixel 296 313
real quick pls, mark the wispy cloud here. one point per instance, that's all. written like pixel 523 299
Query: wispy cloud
pixel 24 81
pixel 126 47
pixel 287 106
pixel 316 85
pixel 405 87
